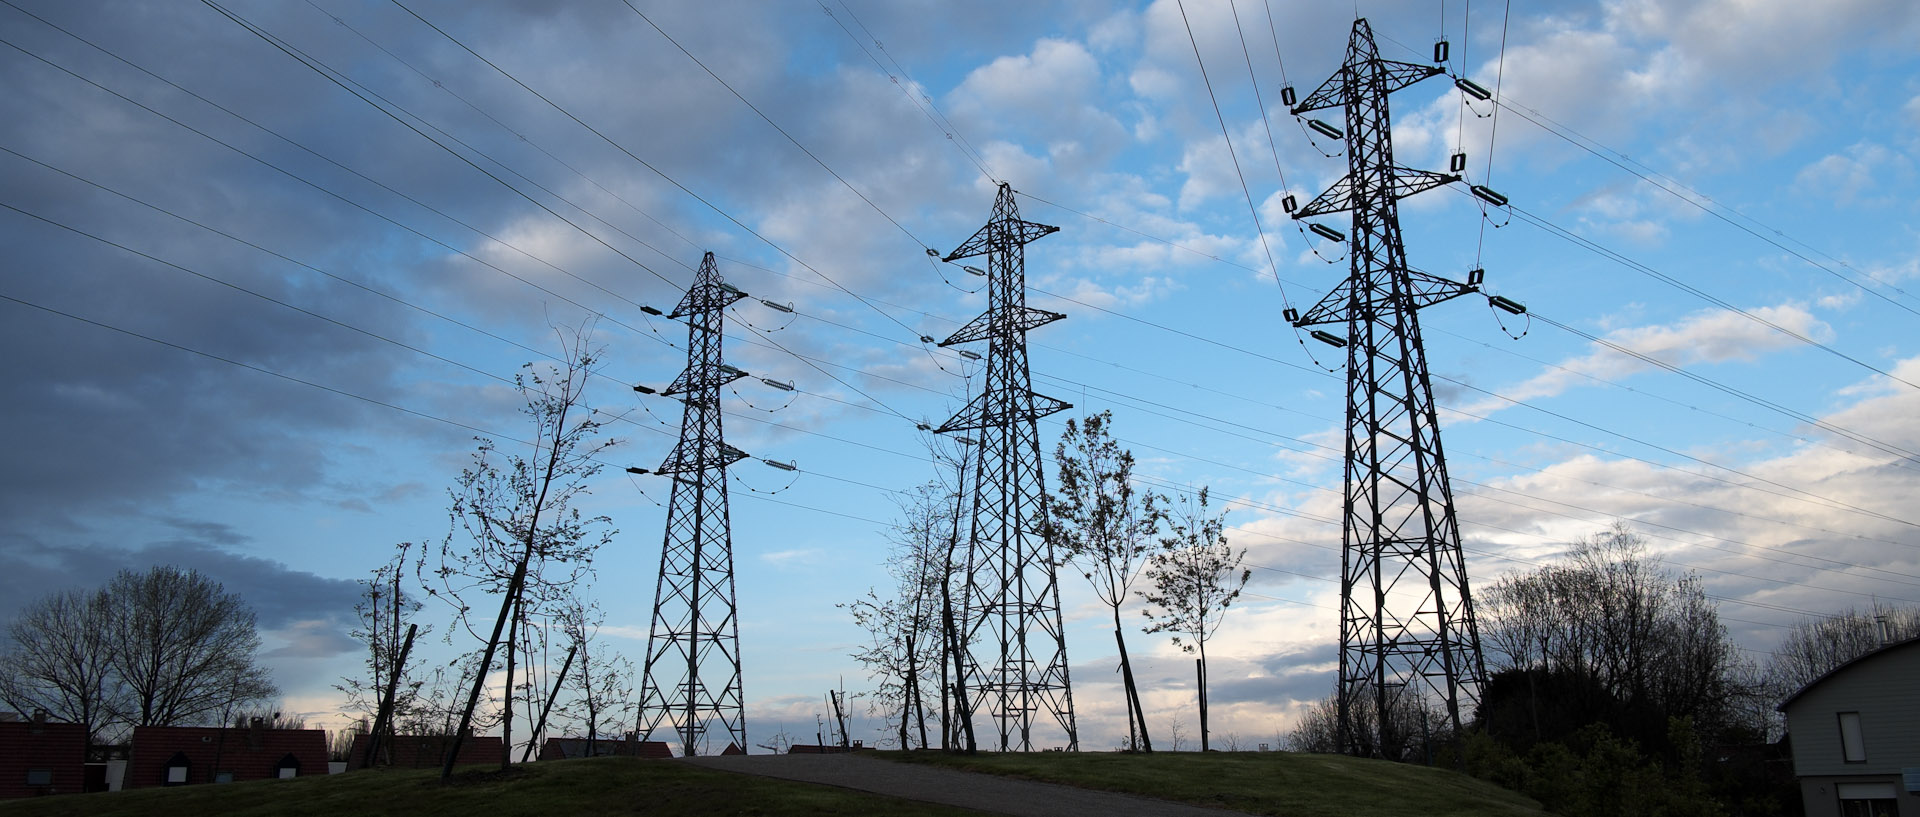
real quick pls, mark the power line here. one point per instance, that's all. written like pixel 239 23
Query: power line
pixel 776 126
pixel 1612 255
pixel 238 288
pixel 341 197
pixel 1244 189
pixel 1586 143
pixel 498 436
pixel 441 86
pixel 644 163
pixel 350 282
pixel 338 79
pixel 942 124
pixel 319 68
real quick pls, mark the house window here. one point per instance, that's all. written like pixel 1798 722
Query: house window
pixel 289 766
pixel 1853 749
pixel 1867 800
pixel 39 777
pixel 223 777
pixel 177 769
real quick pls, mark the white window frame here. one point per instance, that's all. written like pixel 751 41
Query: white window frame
pixel 1853 744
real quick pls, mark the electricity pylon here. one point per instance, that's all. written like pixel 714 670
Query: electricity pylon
pixel 1012 647
pixel 1406 613
pixel 692 672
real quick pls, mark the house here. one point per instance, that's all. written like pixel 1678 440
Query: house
pixel 1856 736
pixel 563 748
pixel 181 755
pixel 40 756
pixel 426 751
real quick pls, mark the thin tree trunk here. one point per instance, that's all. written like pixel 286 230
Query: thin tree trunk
pixel 593 709
pixel 915 704
pixel 506 718
pixel 383 717
pixel 958 691
pixel 486 663
pixel 1133 690
pixel 508 604
pixel 1200 673
pixel 544 711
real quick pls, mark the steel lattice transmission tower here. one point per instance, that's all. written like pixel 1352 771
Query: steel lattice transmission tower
pixel 692 672
pixel 1013 649
pixel 1406 613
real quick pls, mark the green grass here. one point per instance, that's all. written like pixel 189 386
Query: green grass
pixel 1276 783
pixel 610 785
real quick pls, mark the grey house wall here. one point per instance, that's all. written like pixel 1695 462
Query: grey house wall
pixel 1885 689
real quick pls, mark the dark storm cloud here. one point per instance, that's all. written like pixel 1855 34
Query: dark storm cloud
pixel 280 596
pixel 101 423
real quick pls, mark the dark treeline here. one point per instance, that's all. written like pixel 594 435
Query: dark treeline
pixel 1614 689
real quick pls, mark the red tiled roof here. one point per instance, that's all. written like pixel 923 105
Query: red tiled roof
pixel 60 749
pixel 427 751
pixel 249 753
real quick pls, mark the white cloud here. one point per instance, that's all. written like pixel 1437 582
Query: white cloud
pixel 1708 336
pixel 1862 170
pixel 792 559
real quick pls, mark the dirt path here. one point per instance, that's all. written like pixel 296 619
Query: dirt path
pixel 981 792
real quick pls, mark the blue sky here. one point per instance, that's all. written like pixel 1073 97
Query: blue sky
pixel 1720 186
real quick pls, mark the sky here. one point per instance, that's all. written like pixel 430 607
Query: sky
pixel 256 317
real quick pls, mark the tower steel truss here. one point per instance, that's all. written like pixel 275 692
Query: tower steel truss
pixel 692 672
pixel 1406 613
pixel 1012 647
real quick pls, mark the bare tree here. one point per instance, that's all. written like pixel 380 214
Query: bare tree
pixel 602 680
pixel 905 641
pixel 1617 638
pixel 383 617
pixel 59 661
pixel 1411 731
pixel 181 646
pixel 1107 531
pixel 1815 646
pixel 1194 578
pixel 527 541
pixel 1318 729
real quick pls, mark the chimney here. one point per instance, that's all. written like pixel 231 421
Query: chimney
pixel 1880 627
pixel 256 733
pixel 40 717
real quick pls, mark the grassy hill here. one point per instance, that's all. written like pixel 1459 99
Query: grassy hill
pixel 611 785
pixel 1276 783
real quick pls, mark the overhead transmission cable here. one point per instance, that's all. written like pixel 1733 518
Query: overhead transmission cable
pixel 355 204
pixel 345 199
pixel 1737 392
pixel 1644 269
pixel 776 126
pixel 1244 189
pixel 1493 134
pixel 487 433
pixel 1225 133
pixel 643 163
pixel 237 239
pixel 520 136
pixel 1621 160
pixel 944 124
pixel 1113 395
pixel 319 68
